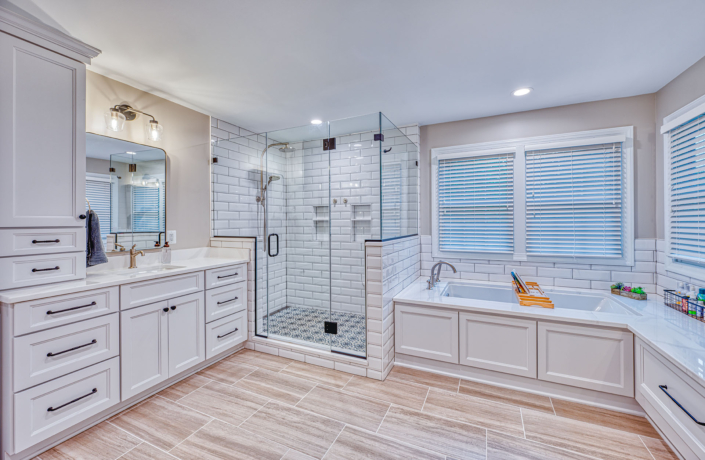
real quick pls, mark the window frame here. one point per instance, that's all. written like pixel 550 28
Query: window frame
pixel 677 118
pixel 624 134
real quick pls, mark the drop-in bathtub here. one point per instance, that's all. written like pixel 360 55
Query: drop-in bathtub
pixel 593 302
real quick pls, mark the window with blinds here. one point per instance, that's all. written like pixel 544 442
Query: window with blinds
pixel 476 204
pixel 687 192
pixel 147 209
pixel 574 201
pixel 98 194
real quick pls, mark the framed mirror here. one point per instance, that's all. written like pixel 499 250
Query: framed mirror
pixel 126 187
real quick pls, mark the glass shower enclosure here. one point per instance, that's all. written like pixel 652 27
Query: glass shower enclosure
pixel 312 196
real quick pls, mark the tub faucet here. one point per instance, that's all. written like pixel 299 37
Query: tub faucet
pixel 436 275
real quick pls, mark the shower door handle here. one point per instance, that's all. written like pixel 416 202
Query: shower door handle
pixel 269 244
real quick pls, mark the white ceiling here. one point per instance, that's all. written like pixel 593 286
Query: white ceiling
pixel 272 64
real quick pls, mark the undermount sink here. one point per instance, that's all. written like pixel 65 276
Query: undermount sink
pixel 146 270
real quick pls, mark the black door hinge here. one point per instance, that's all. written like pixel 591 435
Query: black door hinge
pixel 330 327
pixel 329 144
pixel 379 137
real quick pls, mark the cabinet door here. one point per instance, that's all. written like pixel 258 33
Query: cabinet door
pixel 144 339
pixel 586 357
pixel 187 343
pixel 42 137
pixel 426 332
pixel 498 343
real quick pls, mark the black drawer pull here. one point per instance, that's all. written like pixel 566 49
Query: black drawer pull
pixel 52 409
pixel 45 241
pixel 227 301
pixel 70 309
pixel 225 335
pixel 664 388
pixel 44 269
pixel 72 349
pixel 228 276
pixel 165 309
pixel 173 307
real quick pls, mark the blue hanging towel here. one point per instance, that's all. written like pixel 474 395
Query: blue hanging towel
pixel 95 254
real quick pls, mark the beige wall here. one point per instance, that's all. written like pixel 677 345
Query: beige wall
pixel 634 111
pixel 682 90
pixel 186 141
pixel 97 165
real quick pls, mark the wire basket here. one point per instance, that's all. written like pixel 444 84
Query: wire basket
pixel 683 304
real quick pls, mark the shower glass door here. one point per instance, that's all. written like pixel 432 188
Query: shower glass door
pixel 296 242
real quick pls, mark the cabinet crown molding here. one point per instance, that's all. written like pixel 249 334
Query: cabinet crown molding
pixel 23 27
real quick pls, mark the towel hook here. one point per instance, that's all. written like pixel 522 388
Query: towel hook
pixel 89 204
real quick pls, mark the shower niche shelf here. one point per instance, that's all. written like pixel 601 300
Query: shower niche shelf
pixel 320 221
pixel 361 222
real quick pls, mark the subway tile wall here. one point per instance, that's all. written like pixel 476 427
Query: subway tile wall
pixel 666 279
pixel 582 276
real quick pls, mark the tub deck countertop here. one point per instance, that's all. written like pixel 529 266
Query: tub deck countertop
pixel 677 336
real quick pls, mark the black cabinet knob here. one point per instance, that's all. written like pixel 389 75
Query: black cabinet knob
pixel 165 308
pixel 174 307
pixel 82 216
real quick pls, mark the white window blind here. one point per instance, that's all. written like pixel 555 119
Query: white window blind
pixel 98 194
pixel 476 204
pixel 147 209
pixel 687 191
pixel 574 201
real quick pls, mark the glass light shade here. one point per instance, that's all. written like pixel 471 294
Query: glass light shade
pixel 154 130
pixel 114 120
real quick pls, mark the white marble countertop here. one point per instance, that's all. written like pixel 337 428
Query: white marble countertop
pixel 113 273
pixel 678 337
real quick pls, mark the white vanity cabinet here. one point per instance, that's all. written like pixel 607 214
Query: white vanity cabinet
pixel 42 153
pixel 666 393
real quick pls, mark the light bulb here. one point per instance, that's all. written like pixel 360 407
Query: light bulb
pixel 522 92
pixel 114 120
pixel 154 130
pixel 316 122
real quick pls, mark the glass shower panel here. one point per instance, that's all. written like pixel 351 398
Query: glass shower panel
pixel 399 182
pixel 298 235
pixel 354 218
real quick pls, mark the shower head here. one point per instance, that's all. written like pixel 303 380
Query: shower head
pixel 287 149
pixel 272 179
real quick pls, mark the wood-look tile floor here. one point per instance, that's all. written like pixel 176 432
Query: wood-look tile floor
pixel 257 406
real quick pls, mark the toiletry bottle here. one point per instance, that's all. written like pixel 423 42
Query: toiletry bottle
pixel 166 253
pixel 692 301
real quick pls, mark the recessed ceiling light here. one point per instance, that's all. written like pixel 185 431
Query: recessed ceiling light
pixel 522 91
pixel 130 153
pixel 316 122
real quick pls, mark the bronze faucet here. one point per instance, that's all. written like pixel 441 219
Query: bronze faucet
pixel 133 256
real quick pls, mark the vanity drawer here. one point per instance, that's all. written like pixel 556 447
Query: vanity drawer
pixel 29 241
pixel 55 352
pixel 23 271
pixel 73 399
pixel 225 300
pixel 146 292
pixel 654 371
pixel 225 275
pixel 40 314
pixel 225 333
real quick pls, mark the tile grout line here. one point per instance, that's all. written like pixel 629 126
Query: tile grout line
pixel 186 438
pixel 315 385
pixel 253 414
pixel 383 418
pixel 128 451
pixel 334 441
pixel 647 448
pixel 191 392
pixel 424 399
pixel 552 406
pixel 521 416
pixel 143 441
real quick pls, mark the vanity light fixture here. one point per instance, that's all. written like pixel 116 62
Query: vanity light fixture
pixel 116 116
pixel 316 122
pixel 522 91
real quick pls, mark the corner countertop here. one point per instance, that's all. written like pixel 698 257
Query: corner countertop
pixel 112 273
pixel 678 337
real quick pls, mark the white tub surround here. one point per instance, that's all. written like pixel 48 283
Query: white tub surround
pixel 75 353
pixel 573 351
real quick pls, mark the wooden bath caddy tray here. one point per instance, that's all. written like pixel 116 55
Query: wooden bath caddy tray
pixel 537 298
